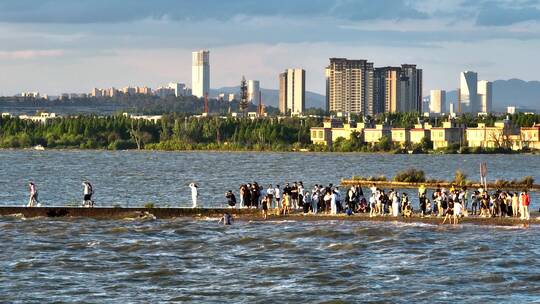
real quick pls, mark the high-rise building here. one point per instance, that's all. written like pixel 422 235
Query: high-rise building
pixel 96 92
pixel 468 92
pixel 292 91
pixel 254 91
pixel 349 85
pixel 179 88
pixel 437 102
pixel 200 73
pixel 283 93
pixel 396 89
pixel 387 91
pixel 485 96
pixel 411 87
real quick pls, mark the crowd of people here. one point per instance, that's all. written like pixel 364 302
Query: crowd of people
pixel 451 204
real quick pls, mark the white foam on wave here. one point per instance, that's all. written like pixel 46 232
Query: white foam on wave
pixel 414 224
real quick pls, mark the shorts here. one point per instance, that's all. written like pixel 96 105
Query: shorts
pixel 88 197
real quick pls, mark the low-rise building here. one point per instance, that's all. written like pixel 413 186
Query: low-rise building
pixel 373 136
pixel 530 137
pixel 43 117
pixel 489 137
pixel 401 136
pixel 323 135
pixel 419 132
pixel 446 136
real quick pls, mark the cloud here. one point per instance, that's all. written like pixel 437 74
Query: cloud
pixel 106 11
pixel 499 16
pixel 30 54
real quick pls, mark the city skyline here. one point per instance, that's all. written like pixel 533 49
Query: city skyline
pixel 101 44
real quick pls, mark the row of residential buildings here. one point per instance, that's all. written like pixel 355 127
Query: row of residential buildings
pixel 356 86
pixel 172 89
pixel 501 135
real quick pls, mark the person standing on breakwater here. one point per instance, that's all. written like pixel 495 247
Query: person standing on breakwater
pixel 315 200
pixel 515 205
pixel 270 192
pixel 194 194
pixel 525 202
pixel 265 201
pixel 88 190
pixel 277 193
pixel 333 203
pixel 33 201
pixel 231 199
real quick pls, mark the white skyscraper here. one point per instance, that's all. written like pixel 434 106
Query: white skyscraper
pixel 254 91
pixel 485 94
pixel 468 92
pixel 200 73
pixel 437 102
pixel 179 88
pixel 292 91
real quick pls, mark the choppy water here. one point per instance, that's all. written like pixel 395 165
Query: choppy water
pixel 199 261
pixel 182 260
pixel 131 178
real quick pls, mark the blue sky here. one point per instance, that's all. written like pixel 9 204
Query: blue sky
pixel 56 46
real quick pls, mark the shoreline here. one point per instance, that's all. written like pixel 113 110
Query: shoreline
pixel 434 153
pixel 105 213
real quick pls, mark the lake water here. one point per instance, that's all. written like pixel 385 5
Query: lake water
pixel 199 261
pixel 131 178
pixel 189 261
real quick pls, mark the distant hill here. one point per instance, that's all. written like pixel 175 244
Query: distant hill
pixel 512 92
pixel 271 97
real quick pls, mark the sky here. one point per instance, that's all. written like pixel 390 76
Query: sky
pixel 56 46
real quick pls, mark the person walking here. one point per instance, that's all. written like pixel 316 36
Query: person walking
pixel 88 191
pixel 33 201
pixel 194 194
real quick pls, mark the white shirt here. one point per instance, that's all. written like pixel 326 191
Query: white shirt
pixel 278 193
pixel 270 191
pixel 194 190
pixel 457 208
pixel 86 189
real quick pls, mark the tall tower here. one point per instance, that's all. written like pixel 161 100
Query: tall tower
pixel 485 96
pixel 283 93
pixel 200 73
pixel 469 93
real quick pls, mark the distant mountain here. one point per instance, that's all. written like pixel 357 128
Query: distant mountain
pixel 271 97
pixel 512 92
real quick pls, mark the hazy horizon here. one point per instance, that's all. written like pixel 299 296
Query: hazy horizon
pixel 103 43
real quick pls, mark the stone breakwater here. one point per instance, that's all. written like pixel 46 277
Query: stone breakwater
pixel 242 214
